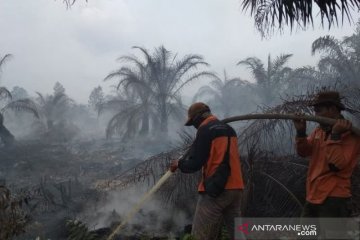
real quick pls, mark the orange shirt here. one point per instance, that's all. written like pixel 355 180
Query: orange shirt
pixel 217 152
pixel 321 182
pixel 208 151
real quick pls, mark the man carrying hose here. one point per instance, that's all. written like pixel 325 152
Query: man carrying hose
pixel 333 152
pixel 213 151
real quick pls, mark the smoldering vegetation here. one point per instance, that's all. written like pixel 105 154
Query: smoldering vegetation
pixel 73 171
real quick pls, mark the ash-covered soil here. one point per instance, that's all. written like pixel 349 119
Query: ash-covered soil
pixel 56 182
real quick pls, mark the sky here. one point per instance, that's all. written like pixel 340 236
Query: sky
pixel 79 47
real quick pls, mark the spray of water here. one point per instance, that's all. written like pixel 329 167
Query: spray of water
pixel 137 207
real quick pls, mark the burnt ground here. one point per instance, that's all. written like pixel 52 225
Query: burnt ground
pixel 57 180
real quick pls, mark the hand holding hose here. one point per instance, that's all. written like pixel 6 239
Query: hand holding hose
pixel 299 124
pixel 341 126
pixel 174 165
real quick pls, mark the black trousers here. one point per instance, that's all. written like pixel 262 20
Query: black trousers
pixel 331 207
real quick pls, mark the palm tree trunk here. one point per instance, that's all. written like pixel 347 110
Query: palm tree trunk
pixel 163 117
pixel 49 124
pixel 145 125
pixel 164 123
pixel 6 136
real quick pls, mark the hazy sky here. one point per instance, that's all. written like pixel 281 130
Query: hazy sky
pixel 79 46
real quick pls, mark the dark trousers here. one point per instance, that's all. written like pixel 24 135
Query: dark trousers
pixel 331 207
pixel 211 213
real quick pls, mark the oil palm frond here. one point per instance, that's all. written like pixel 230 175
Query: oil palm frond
pixel 5 93
pixel 280 61
pixel 206 91
pixel 70 3
pixel 192 78
pixel 155 81
pixel 272 14
pixel 41 98
pixel 113 104
pixel 126 121
pixel 257 68
pixel 4 59
pixel 270 81
pixel 79 231
pixel 23 105
pixel 340 58
pixel 327 44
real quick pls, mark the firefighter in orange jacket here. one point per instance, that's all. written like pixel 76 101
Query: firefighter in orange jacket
pixel 206 153
pixel 333 152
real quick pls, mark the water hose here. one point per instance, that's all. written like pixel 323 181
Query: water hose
pixel 137 207
pixel 268 116
pixel 321 120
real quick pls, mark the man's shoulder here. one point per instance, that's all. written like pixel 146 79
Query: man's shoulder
pixel 213 125
pixel 218 128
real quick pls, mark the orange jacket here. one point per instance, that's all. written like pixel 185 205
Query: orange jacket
pixel 208 152
pixel 323 149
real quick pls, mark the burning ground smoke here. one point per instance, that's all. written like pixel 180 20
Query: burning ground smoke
pixel 155 218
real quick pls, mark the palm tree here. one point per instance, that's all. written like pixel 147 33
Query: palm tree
pixel 57 113
pixel 132 115
pixel 96 98
pixel 273 14
pixel 270 81
pixel 25 105
pixel 133 105
pixel 5 135
pixel 156 83
pixel 341 58
pixel 51 108
pixel 4 92
pixel 339 64
pixel 307 78
pixel 225 95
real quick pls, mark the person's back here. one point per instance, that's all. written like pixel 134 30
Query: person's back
pixel 214 140
pixel 213 135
